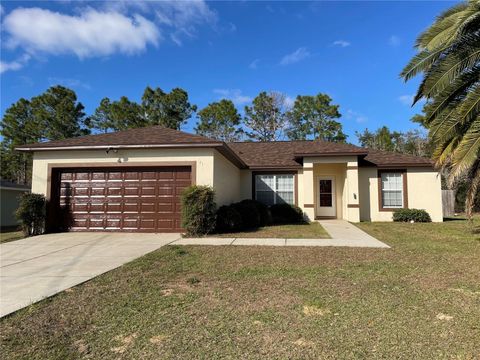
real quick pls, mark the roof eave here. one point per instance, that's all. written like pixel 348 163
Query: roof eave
pixel 404 165
pixel 324 154
pixel 274 167
pixel 232 156
pixel 113 147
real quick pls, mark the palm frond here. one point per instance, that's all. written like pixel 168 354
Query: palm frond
pixel 442 153
pixel 444 126
pixel 447 71
pixel 422 62
pixel 441 32
pixel 471 22
pixel 467 151
pixel 457 89
pixel 470 107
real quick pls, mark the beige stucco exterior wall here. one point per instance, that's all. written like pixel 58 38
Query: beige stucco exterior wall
pixel 226 180
pixel 425 192
pixel 423 189
pixel 245 184
pixel 204 159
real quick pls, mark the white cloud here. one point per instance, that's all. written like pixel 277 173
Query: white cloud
pixel 341 43
pixel 184 17
pixel 254 64
pixel 68 82
pixel 298 55
pixel 394 40
pixel 406 99
pixel 232 27
pixel 354 115
pixel 92 33
pixel 14 65
pixel 233 94
pixel 98 29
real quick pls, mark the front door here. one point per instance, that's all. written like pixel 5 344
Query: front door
pixel 326 196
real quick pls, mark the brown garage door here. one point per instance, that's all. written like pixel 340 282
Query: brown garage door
pixel 111 199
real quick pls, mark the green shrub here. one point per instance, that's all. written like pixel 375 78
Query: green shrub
pixel 249 213
pixel 198 210
pixel 286 214
pixel 263 211
pixel 408 215
pixel 228 219
pixel 32 213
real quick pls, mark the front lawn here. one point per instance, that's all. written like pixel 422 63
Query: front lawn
pixel 418 300
pixel 301 231
pixel 12 234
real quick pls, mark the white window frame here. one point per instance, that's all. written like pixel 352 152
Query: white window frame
pixel 275 189
pixel 398 187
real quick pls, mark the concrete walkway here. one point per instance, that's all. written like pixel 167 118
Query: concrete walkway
pixel 342 233
pixel 38 267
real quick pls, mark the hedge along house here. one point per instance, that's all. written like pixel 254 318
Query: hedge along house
pixel 132 180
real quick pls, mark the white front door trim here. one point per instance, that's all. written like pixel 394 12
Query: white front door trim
pixel 325 211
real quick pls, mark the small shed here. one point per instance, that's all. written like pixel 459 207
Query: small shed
pixel 9 200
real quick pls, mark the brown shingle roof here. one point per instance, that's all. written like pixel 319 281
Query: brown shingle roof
pixel 276 154
pixel 285 153
pixel 153 135
pixel 385 159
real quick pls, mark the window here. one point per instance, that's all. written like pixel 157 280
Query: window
pixel 392 185
pixel 273 189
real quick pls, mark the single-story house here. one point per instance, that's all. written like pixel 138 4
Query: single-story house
pixel 131 180
pixel 10 193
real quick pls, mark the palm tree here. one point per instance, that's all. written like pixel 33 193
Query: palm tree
pixel 449 59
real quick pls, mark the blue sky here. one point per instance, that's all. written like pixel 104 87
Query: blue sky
pixel 352 51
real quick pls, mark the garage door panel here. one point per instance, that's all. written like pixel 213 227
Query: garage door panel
pixel 114 190
pixel 149 175
pixel 165 224
pixel 143 199
pixel 165 191
pixel 147 208
pixel 166 207
pixel 98 191
pixel 76 191
pixel 99 176
pixel 80 208
pixel 79 223
pixel 81 176
pixel 114 207
pixel 148 190
pixel 114 175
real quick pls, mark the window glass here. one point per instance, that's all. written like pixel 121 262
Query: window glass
pixel 392 190
pixel 275 189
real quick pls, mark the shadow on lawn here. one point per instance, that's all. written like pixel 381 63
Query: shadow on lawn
pixel 454 219
pixel 257 229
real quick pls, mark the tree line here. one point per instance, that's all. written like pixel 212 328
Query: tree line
pixel 57 114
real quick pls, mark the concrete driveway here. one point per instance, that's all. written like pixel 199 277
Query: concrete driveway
pixel 41 266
